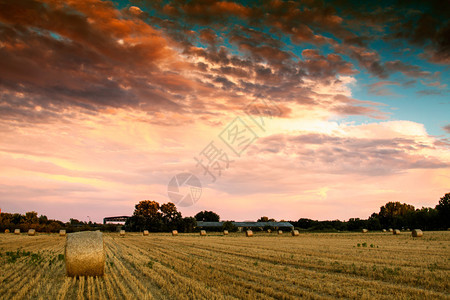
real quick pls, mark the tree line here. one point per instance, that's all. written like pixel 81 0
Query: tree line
pixel 150 215
pixel 394 215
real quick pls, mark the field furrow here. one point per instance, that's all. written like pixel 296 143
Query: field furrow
pixel 311 266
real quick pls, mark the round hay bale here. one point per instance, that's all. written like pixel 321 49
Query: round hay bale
pixel 122 233
pixel 396 231
pixel 280 231
pixel 249 233
pixel 31 232
pixel 85 254
pixel 417 233
pixel 62 232
pixel 365 231
pixel 6 230
pixel 384 230
pixel 295 233
pixel 391 230
pixel 269 231
pixel 174 232
pixel 203 232
pixel 16 231
pixel 225 232
pixel 145 233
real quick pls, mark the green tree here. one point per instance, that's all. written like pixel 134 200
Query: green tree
pixel 207 216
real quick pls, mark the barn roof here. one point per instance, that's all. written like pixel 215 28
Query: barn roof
pixel 245 224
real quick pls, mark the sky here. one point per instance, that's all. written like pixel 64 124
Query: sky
pixel 287 109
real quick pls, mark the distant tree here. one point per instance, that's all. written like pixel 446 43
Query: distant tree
pixel 356 224
pixel 393 214
pixel 171 218
pixel 43 219
pixel 146 215
pixel 207 216
pixel 170 213
pixel 149 215
pixel 187 224
pixel 53 227
pixel 425 218
pixel 229 226
pixel 75 222
pixel 147 208
pixel 31 217
pixel 373 223
pixel 443 208
pixel 17 218
pixel 265 219
pixel 393 209
pixel 306 223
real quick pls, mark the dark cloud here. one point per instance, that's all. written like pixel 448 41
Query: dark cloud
pixel 407 69
pixel 209 37
pixel 89 55
pixel 203 12
pixel 319 66
pixel 428 26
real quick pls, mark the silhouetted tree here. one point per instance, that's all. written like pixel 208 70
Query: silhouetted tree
pixel 265 219
pixel 147 208
pixel 207 216
pixel 31 217
pixel 393 214
pixel 305 223
pixel 171 217
pixel 151 216
pixel 443 209
pixel 187 224
pixel 229 226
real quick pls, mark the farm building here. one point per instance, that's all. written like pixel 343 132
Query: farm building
pixel 249 225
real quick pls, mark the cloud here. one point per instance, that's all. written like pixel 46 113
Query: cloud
pixel 349 154
pixel 378 88
pixel 105 103
pixel 407 69
pixel 428 27
pixel 447 128
pixel 429 92
pixel 209 37
pixel 93 57
pixel 58 57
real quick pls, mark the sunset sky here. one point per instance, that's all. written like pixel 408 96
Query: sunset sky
pixel 338 106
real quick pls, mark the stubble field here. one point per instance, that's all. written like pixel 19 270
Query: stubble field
pixel 265 266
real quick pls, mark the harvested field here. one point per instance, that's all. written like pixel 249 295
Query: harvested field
pixel 312 265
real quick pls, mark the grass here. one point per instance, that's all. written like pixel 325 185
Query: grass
pixel 312 265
